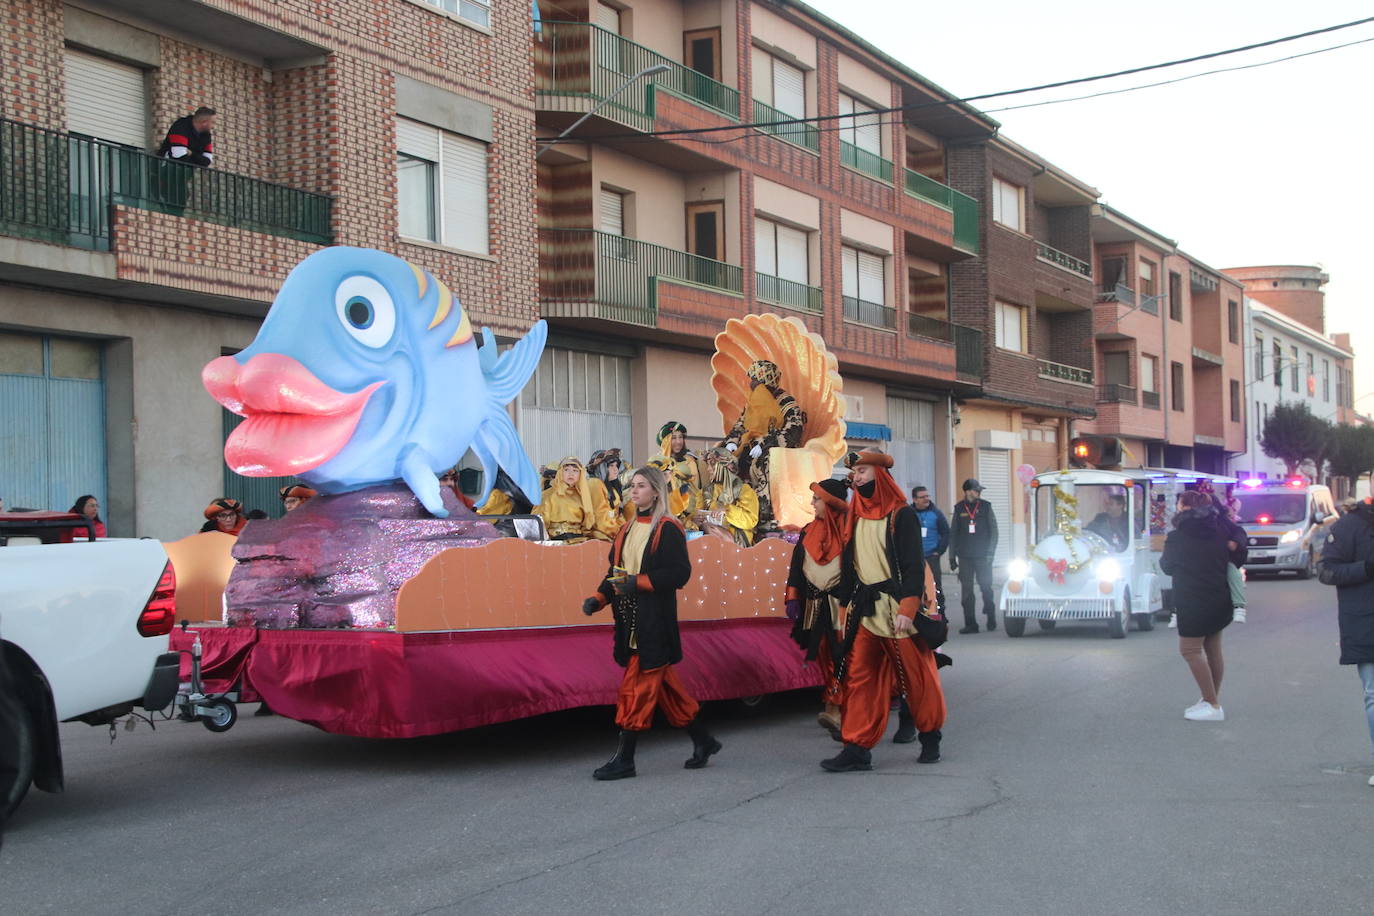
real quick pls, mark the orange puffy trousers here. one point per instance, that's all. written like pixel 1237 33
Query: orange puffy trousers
pixel 880 668
pixel 643 691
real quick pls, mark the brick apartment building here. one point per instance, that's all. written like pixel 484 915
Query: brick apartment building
pixel 649 243
pixel 1169 341
pixel 114 292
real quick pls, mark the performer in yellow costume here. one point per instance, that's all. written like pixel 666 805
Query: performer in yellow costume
pixel 572 508
pixel 684 473
pixel 730 509
pixel 771 418
pixel 603 469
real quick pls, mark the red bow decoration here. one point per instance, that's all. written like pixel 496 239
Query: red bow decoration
pixel 1057 569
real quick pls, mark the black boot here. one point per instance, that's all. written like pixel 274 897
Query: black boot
pixel 622 765
pixel 906 725
pixel 992 623
pixel 703 745
pixel 852 757
pixel 969 626
pixel 930 747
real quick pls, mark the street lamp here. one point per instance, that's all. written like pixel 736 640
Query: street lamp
pixel 647 71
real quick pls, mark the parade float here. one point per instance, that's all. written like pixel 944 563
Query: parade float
pixel 384 606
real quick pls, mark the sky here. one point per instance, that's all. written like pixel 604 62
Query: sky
pixel 1269 165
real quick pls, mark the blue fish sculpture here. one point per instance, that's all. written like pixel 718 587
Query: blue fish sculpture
pixel 366 371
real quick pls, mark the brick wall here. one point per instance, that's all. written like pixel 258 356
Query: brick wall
pixel 191 77
pixel 31 48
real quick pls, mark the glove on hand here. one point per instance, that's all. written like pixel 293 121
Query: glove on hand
pixel 756 451
pixel 793 608
pixel 590 606
pixel 626 586
pixel 953 565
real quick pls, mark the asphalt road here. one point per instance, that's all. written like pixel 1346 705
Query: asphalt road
pixel 1070 784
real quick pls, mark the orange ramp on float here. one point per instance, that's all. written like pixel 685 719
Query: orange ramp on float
pixel 512 583
pixel 202 563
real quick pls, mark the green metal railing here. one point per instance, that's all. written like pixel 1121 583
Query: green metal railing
pixel 581 59
pixel 787 292
pixel 586 273
pixel 964 208
pixel 61 188
pixel 805 135
pixel 1066 261
pixel 864 161
pixel 968 352
pixel 1064 373
pixel 873 313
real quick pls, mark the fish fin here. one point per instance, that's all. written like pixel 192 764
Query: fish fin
pixel 418 472
pixel 497 446
pixel 508 373
pixel 490 467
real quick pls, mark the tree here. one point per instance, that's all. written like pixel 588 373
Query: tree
pixel 1351 454
pixel 1292 435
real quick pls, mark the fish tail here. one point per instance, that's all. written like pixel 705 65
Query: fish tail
pixel 508 373
pixel 497 446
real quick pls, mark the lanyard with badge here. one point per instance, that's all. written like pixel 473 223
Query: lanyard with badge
pixel 972 518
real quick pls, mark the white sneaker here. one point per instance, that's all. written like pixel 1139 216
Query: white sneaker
pixel 1206 712
pixel 1200 704
pixel 1173 621
pixel 1371 780
pixel 1238 615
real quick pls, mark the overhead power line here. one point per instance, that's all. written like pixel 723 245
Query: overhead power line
pixel 817 119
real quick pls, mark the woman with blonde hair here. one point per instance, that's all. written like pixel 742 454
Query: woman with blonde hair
pixel 572 509
pixel 729 506
pixel 648 564
pixel 684 476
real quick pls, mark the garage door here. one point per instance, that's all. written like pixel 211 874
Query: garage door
pixel 52 421
pixel 913 442
pixel 994 473
pixel 576 403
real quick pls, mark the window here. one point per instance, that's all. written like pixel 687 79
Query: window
pixel 1175 296
pixel 612 212
pixel 1117 367
pixel 1149 372
pixel 1176 386
pixel 1147 278
pixel 863 276
pixel 779 84
pixel 1011 327
pixel 1326 380
pixel 441 183
pixel 1006 204
pixel 1235 401
pixel 1277 369
pixel 478 12
pixel 701 51
pixel 607 17
pixel 1259 418
pixel 1259 356
pixel 1233 321
pixel 864 130
pixel 1293 368
pixel 105 99
pixel 706 231
pixel 781 251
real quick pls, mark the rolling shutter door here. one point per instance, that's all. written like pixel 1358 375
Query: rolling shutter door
pixel 789 89
pixel 418 140
pixel 765 247
pixel 913 443
pixel 106 99
pixel 465 193
pixel 612 212
pixel 792 259
pixel 608 17
pixel 871 286
pixel 994 473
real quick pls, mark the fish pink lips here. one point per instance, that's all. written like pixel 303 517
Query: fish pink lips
pixel 292 421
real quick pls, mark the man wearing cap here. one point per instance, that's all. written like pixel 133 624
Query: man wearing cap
pixel 886 591
pixel 972 545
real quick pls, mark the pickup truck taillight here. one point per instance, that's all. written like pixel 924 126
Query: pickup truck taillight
pixel 160 613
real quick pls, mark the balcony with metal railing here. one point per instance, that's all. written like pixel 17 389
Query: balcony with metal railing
pixel 1063 373
pixel 578 64
pixel 1120 293
pixel 963 207
pixel 62 188
pixel 584 273
pixel 1116 394
pixel 861 160
pixel 1061 259
pixel 874 314
pixel 787 293
pixel 784 127
pixel 968 342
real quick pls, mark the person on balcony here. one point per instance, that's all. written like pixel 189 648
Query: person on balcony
pixel 684 474
pixel 730 507
pixel 771 418
pixel 189 139
pixel 572 509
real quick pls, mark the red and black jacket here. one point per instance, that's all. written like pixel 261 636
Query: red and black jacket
pixel 184 143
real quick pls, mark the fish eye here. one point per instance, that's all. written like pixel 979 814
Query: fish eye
pixel 365 310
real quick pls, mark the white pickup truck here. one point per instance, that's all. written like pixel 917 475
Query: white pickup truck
pixel 83 637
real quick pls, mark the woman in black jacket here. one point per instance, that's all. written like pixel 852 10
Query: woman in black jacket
pixel 1196 554
pixel 649 563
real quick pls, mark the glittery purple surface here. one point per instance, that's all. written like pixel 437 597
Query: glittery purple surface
pixel 338 561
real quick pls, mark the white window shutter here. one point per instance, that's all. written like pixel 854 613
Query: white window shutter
pixel 792 257
pixel 765 247
pixel 106 99
pixel 612 212
pixel 608 17
pixel 418 140
pixel 789 89
pixel 762 75
pixel 464 177
pixel 849 275
pixel 871 286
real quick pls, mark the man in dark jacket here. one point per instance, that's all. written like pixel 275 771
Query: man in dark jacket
pixel 1348 563
pixel 972 546
pixel 188 142
pixel 934 531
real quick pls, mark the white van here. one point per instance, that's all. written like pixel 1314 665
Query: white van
pixel 1286 521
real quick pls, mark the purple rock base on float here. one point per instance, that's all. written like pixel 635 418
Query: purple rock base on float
pixel 338 561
